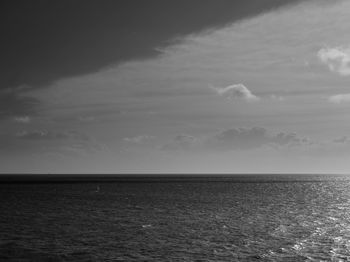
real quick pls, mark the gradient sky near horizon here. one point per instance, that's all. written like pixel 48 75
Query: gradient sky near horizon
pixel 175 86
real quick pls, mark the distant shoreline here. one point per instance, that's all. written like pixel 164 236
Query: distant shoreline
pixel 129 178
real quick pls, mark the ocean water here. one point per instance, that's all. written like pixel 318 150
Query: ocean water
pixel 216 220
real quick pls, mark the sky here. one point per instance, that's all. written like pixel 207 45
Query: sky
pixel 175 86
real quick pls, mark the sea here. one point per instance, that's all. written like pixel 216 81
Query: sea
pixel 204 218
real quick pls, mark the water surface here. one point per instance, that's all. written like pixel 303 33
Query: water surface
pixel 221 220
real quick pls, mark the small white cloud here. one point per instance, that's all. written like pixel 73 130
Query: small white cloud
pixel 337 59
pixel 238 91
pixel 341 98
pixel 22 119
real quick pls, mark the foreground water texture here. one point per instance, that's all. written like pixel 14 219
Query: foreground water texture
pixel 177 221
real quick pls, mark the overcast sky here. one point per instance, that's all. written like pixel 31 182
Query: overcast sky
pixel 175 86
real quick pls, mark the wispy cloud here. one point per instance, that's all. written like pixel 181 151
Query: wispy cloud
pixel 341 140
pixel 249 138
pixel 142 139
pixel 42 142
pixel 337 59
pixel 340 98
pixel 14 103
pixel 86 119
pixel 22 119
pixel 51 135
pixel 238 91
pixel 277 98
pixel 182 141
pixel 235 139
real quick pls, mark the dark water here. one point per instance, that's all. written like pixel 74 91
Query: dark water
pixel 176 221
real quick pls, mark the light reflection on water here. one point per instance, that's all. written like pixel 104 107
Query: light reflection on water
pixel 216 221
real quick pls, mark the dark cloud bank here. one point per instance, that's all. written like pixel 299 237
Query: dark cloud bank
pixel 44 40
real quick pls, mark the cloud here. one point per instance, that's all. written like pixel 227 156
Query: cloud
pixel 277 98
pixel 250 138
pixel 42 142
pixel 142 139
pixel 341 98
pixel 181 142
pixel 238 91
pixel 337 59
pixel 86 119
pixel 140 142
pixel 14 103
pixel 51 135
pixel 42 63
pixel 341 140
pixel 22 119
pixel 235 139
pixel 287 139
